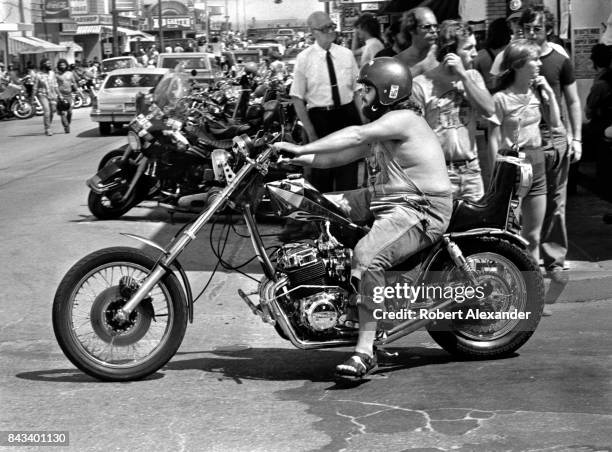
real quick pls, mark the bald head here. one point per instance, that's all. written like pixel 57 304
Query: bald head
pixel 412 18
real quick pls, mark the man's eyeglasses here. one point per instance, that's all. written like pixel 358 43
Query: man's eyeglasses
pixel 428 27
pixel 326 28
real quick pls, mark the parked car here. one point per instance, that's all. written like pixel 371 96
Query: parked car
pixel 267 47
pixel 204 64
pixel 115 104
pixel 242 57
pixel 123 62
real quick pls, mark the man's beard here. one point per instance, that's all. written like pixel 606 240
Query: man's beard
pixel 374 111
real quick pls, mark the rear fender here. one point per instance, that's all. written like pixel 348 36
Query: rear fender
pixel 438 254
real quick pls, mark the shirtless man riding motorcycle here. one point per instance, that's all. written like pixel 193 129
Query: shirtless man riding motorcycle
pixel 408 200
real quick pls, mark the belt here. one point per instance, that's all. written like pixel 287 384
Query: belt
pixel 459 163
pixel 329 108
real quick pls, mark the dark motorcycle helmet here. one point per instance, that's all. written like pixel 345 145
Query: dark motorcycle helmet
pixel 392 81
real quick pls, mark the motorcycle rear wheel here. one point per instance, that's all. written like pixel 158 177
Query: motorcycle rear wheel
pixel 84 307
pixel 517 284
pixel 22 109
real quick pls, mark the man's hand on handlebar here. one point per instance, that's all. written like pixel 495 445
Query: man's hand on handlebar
pixel 291 153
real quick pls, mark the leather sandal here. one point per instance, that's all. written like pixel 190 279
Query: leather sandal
pixel 357 367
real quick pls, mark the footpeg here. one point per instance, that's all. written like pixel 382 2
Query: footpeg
pixel 257 310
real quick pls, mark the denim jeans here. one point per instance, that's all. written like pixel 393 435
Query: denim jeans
pixel 396 234
pixel 554 241
pixel 466 181
pixel 48 106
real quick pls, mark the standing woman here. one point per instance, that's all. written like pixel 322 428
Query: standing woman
pixel 47 92
pixel 524 99
pixel 67 84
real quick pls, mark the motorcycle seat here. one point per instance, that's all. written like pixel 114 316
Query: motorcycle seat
pixel 229 131
pixel 492 209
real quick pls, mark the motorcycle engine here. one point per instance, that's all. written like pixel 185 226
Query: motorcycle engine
pixel 318 278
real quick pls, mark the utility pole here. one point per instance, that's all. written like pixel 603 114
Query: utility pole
pixel 226 17
pixel 115 32
pixel 161 28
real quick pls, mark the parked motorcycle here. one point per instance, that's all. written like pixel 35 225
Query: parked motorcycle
pixel 121 313
pixel 14 102
pixel 171 162
pixel 86 92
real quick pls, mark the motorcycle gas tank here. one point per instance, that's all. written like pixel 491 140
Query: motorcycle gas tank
pixel 296 198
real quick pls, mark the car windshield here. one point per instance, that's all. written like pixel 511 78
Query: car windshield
pixel 172 87
pixel 186 62
pixel 250 57
pixel 132 81
pixel 108 66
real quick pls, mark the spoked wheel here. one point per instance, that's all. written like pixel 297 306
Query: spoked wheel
pixel 89 333
pixel 22 109
pixel 501 321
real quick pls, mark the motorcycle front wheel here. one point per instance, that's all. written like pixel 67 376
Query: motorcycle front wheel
pixel 512 282
pixel 22 109
pixel 108 205
pixel 87 101
pixel 77 100
pixel 84 309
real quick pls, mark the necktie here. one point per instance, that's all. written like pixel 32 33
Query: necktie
pixel 333 81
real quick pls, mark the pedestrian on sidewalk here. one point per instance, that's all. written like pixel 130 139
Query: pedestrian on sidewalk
pixel 524 99
pixel 47 91
pixel 67 84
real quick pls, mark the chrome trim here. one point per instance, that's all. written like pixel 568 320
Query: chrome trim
pixel 151 243
pixel 268 290
pixel 488 231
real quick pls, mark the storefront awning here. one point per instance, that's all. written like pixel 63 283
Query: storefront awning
pixel 32 45
pixel 72 46
pixel 92 29
pixel 16 27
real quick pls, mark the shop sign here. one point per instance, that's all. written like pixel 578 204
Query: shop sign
pixel 107 48
pixel 369 7
pixel 95 19
pixel 79 7
pixel 584 40
pixel 69 27
pixel 56 10
pixel 350 14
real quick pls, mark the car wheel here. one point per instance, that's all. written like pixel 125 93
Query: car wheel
pixel 105 128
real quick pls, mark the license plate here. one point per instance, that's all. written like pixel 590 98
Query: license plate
pixel 129 106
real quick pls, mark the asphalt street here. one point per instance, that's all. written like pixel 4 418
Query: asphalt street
pixel 235 385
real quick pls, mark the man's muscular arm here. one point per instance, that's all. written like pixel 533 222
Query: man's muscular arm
pixel 350 143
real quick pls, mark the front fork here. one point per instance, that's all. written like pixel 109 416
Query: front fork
pixel 178 245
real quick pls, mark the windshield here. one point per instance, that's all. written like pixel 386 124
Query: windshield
pixel 187 62
pixel 246 57
pixel 172 87
pixel 132 81
pixel 108 66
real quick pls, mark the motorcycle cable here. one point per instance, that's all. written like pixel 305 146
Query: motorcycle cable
pixel 218 260
pixel 219 254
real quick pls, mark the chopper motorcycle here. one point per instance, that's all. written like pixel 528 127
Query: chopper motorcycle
pixel 121 313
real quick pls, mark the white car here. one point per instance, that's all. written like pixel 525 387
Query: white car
pixel 116 100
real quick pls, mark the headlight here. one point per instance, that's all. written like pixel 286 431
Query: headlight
pixel 133 141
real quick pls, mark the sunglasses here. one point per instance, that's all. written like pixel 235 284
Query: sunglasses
pixel 326 28
pixel 429 27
